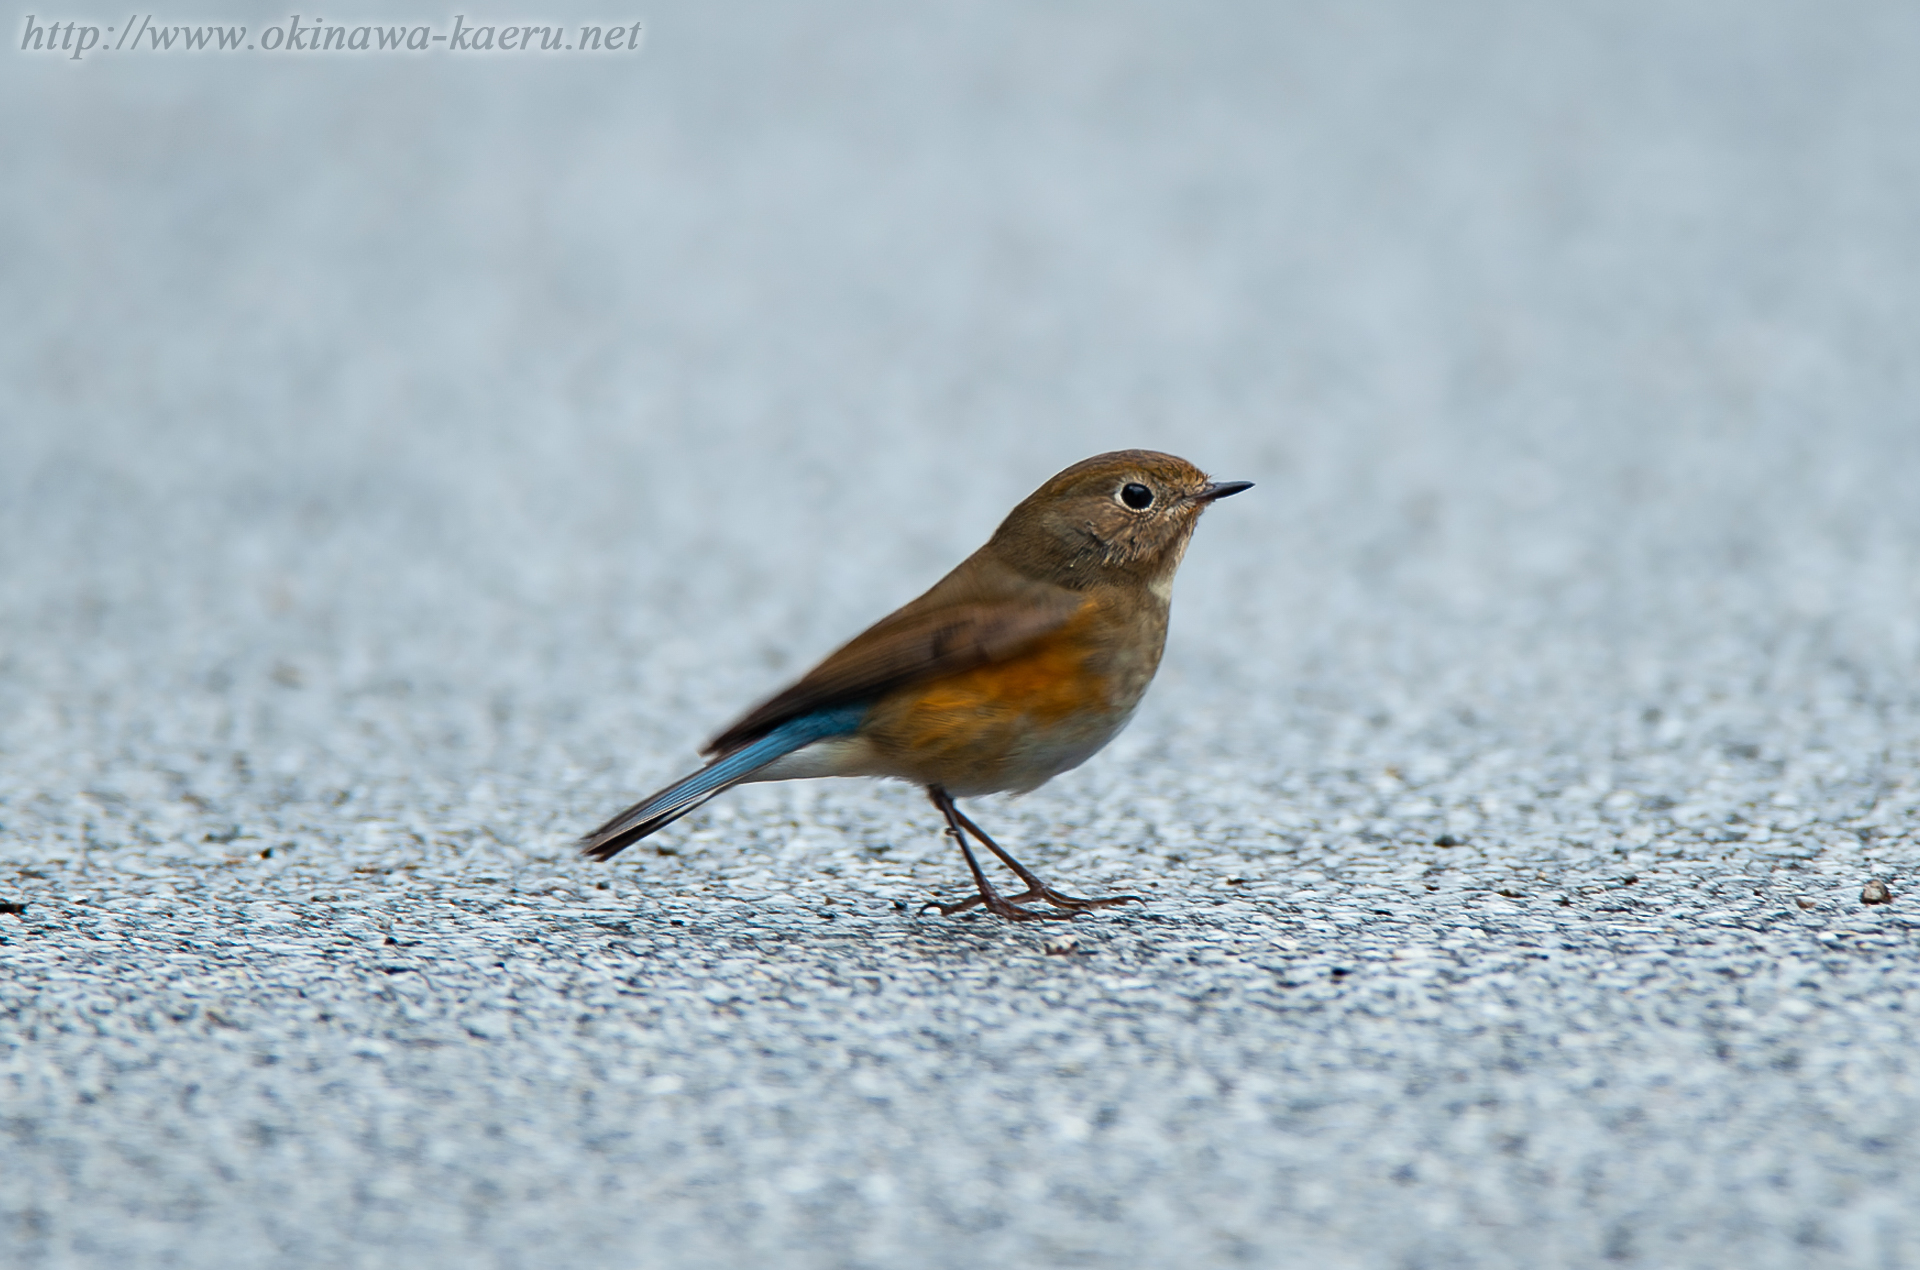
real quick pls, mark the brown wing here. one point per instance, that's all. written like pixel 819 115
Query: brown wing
pixel 949 629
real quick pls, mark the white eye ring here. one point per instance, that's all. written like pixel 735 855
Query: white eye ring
pixel 1135 496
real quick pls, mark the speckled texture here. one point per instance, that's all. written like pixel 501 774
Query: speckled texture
pixel 408 461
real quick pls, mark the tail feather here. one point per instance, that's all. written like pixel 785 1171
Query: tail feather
pixel 676 800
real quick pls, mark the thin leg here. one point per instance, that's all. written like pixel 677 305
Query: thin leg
pixel 1036 889
pixel 960 827
pixel 996 904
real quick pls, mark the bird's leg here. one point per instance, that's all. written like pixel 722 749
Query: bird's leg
pixel 995 903
pixel 960 826
pixel 1036 889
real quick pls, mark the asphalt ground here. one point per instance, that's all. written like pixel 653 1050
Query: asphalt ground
pixel 409 460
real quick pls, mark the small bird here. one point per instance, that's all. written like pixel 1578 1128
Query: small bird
pixel 1017 666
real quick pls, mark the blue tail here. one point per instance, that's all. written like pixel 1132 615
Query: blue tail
pixel 681 797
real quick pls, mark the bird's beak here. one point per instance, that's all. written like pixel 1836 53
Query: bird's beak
pixel 1221 489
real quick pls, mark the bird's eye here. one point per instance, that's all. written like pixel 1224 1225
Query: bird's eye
pixel 1136 496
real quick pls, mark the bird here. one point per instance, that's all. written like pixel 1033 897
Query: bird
pixel 1020 664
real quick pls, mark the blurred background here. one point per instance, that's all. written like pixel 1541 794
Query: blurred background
pixel 407 460
pixel 524 416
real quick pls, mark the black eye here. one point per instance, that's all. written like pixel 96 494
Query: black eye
pixel 1136 496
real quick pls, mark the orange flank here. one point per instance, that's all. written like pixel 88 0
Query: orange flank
pixel 999 720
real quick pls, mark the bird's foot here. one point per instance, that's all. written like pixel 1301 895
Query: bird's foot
pixel 958 826
pixel 999 906
pixel 1075 903
pixel 1009 906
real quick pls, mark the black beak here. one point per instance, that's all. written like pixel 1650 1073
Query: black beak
pixel 1221 489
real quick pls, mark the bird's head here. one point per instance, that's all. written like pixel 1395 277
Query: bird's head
pixel 1120 517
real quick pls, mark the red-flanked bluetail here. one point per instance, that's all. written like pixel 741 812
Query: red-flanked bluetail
pixel 1017 666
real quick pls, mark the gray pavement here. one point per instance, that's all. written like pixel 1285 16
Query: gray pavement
pixel 408 460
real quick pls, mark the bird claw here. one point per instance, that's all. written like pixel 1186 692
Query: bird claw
pixel 1009 906
pixel 999 907
pixel 1060 899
